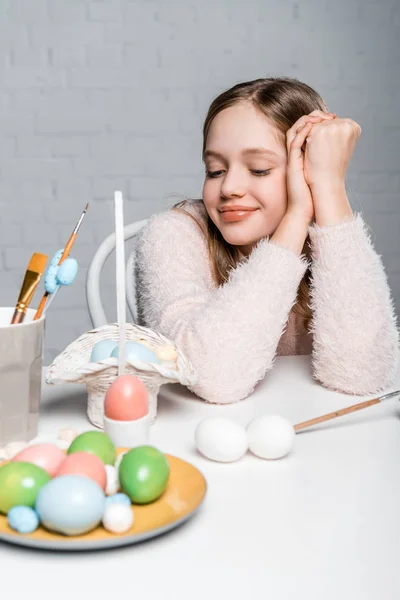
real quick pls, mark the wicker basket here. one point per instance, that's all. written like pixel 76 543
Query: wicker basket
pixel 73 366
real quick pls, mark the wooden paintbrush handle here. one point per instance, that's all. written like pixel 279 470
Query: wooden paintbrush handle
pixel 337 413
pixel 42 304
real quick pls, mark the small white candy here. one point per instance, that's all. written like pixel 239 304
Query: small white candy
pixel 112 485
pixel 117 518
pixel 118 461
pixel 270 436
pixel 13 448
pixel 221 439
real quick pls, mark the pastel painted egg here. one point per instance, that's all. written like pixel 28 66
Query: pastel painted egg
pixel 67 271
pixel 71 505
pixel 126 399
pixel 20 483
pixel 85 464
pixel 50 279
pixel 102 350
pixel 220 439
pixel 117 518
pixel 166 353
pixel 47 456
pixel 118 499
pixel 112 485
pixel 270 436
pixel 23 519
pixel 143 474
pixel 136 351
pixel 95 442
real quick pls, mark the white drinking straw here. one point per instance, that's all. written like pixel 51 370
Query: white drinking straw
pixel 120 268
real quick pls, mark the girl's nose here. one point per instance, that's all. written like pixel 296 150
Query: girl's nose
pixel 232 186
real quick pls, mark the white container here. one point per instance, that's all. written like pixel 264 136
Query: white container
pixel 128 434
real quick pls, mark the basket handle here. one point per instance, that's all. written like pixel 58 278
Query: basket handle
pixel 95 307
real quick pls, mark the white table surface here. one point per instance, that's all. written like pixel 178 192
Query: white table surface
pixel 320 524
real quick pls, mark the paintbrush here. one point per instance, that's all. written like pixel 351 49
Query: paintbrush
pixel 64 255
pixel 345 411
pixel 32 277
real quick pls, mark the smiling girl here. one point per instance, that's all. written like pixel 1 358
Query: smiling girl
pixel 271 261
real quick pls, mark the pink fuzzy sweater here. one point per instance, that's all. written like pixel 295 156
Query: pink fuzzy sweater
pixel 232 333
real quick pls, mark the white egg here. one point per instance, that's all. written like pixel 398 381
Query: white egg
pixel 270 436
pixel 221 439
pixel 112 485
pixel 117 518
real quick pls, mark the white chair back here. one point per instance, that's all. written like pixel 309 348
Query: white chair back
pixel 95 306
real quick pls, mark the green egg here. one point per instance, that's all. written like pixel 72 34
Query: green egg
pixel 20 483
pixel 95 442
pixel 143 474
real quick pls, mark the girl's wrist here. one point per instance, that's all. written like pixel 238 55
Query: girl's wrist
pixel 331 203
pixel 292 232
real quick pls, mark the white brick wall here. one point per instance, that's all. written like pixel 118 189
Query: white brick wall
pixel 110 94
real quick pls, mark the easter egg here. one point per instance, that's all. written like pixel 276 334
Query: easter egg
pixel 143 474
pixel 270 436
pixel 23 519
pixel 136 351
pixel 117 518
pixel 95 442
pixel 220 439
pixel 85 464
pixel 50 279
pixel 166 353
pixel 20 483
pixel 118 499
pixel 67 271
pixel 70 504
pixel 126 399
pixel 47 456
pixel 102 350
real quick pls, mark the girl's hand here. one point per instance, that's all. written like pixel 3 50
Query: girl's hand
pixel 329 147
pixel 300 202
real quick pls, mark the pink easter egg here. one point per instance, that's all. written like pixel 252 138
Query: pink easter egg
pixel 85 464
pixel 47 456
pixel 126 399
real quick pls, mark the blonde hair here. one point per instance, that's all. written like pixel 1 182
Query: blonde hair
pixel 283 100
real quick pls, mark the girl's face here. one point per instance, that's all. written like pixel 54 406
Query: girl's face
pixel 246 160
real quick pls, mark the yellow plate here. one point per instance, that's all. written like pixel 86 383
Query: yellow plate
pixel 184 494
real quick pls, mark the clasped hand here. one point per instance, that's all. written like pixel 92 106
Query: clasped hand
pixel 319 147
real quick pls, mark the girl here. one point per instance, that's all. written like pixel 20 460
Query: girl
pixel 272 260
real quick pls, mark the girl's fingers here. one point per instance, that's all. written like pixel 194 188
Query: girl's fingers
pixel 311 118
pixel 295 149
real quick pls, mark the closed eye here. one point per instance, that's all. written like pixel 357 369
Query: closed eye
pixel 256 172
pixel 260 173
pixel 213 173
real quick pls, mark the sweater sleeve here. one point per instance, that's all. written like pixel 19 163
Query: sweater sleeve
pixel 355 337
pixel 229 333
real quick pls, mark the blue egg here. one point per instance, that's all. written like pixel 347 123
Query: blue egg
pixel 56 258
pixel 70 504
pixel 23 519
pixel 118 499
pixel 67 271
pixel 102 350
pixel 50 279
pixel 136 351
